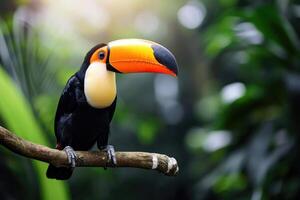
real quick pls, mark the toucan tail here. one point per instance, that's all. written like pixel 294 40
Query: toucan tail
pixel 59 173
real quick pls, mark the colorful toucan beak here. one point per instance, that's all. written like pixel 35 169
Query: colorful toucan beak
pixel 135 55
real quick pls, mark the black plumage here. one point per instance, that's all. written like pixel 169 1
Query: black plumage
pixel 77 124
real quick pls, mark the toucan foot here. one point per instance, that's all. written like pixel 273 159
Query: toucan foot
pixel 111 155
pixel 71 155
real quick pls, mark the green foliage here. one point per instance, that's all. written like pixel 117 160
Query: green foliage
pixel 17 116
pixel 231 182
pixel 261 52
pixel 147 131
pixel 21 57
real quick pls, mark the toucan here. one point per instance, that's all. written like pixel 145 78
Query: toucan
pixel 88 101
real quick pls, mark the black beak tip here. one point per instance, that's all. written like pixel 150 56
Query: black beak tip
pixel 165 57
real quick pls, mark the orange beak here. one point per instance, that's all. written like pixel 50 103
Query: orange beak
pixel 135 55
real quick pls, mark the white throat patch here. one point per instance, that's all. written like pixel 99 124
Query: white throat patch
pixel 99 85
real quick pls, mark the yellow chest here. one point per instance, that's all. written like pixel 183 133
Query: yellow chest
pixel 99 85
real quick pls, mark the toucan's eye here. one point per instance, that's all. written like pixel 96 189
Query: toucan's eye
pixel 101 55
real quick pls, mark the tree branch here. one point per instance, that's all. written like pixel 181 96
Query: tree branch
pixel 159 162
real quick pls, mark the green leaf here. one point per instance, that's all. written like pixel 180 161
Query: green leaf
pixel 220 36
pixel 15 112
pixel 274 27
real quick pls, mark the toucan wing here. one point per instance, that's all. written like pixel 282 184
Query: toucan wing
pixel 66 106
pixel 112 109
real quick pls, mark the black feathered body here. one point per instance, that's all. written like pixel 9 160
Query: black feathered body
pixel 79 125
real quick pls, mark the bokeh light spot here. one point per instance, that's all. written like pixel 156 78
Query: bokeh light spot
pixel 191 15
pixel 146 23
pixel 232 92
pixel 248 32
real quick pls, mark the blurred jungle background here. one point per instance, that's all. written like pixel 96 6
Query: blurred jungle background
pixel 231 119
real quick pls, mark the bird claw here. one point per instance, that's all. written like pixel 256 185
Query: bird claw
pixel 71 156
pixel 111 156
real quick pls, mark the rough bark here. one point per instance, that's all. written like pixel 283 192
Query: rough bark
pixel 144 160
